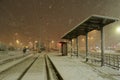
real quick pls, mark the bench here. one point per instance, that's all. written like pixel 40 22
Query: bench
pixel 93 59
pixel 74 53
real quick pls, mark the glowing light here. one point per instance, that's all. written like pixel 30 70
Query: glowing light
pixel 26 46
pixel 59 45
pixel 83 39
pixel 52 41
pixel 17 41
pixel 88 37
pixel 91 38
pixel 118 29
pixel 72 40
pixel 10 44
pixel 16 34
pixel 36 41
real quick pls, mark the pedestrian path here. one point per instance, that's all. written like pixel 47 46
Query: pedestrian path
pixel 75 69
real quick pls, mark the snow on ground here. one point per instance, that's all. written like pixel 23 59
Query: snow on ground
pixel 73 68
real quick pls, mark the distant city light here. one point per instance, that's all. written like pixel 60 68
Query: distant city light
pixel 58 45
pixel 16 34
pixel 52 41
pixel 72 40
pixel 17 41
pixel 83 39
pixel 26 46
pixel 36 41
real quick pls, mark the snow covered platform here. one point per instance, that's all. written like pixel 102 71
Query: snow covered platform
pixel 73 68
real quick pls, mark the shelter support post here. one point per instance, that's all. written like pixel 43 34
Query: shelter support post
pixel 77 46
pixel 86 46
pixel 71 47
pixel 102 47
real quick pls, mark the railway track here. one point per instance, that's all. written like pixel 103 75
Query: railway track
pixel 51 71
pixel 36 67
pixel 4 61
pixel 16 72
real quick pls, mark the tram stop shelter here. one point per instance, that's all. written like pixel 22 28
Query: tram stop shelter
pixel 94 22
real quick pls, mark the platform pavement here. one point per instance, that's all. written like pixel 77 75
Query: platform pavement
pixel 73 68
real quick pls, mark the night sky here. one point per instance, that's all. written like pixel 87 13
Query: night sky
pixel 47 20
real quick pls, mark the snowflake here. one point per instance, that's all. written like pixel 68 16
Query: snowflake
pixel 50 6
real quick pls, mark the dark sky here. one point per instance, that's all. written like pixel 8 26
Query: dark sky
pixel 48 19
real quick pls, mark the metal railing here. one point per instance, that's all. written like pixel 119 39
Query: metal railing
pixel 110 59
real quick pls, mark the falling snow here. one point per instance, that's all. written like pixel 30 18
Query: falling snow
pixel 62 15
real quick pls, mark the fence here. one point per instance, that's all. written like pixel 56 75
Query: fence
pixel 112 60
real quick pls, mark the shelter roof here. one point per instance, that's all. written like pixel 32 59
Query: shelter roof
pixel 94 22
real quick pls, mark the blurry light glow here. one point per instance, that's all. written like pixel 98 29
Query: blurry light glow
pixel 83 39
pixel 26 46
pixel 94 30
pixel 17 41
pixel 21 44
pixel 36 41
pixel 72 40
pixel 91 38
pixel 88 37
pixel 118 29
pixel 30 42
pixel 10 44
pixel 52 41
pixel 58 44
pixel 16 34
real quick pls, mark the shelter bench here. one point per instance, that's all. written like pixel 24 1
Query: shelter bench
pixel 93 59
pixel 74 53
